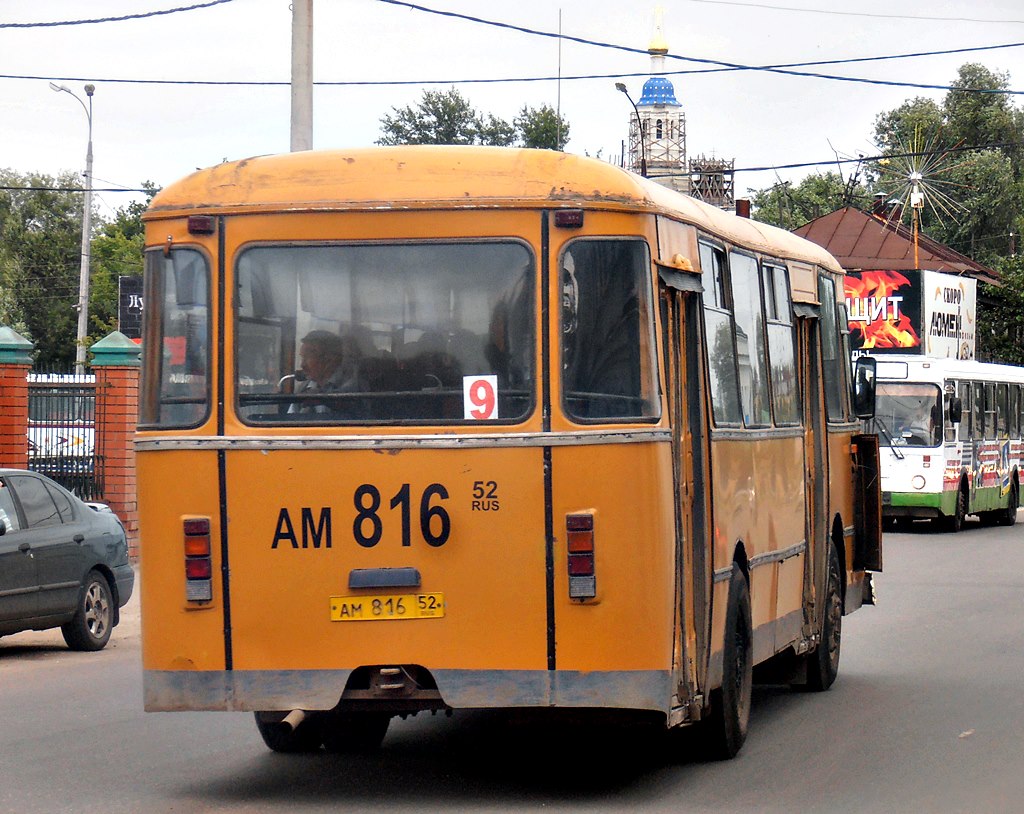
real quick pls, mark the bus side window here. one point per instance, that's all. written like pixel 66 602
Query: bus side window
pixel 967 416
pixel 1002 410
pixel 990 410
pixel 721 352
pixel 978 425
pixel 1015 411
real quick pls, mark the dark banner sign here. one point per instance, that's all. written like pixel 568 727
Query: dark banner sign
pixel 129 307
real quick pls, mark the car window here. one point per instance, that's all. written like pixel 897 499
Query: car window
pixel 8 514
pixel 67 514
pixel 36 503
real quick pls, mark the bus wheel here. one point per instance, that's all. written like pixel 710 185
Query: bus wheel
pixel 726 728
pixel 1008 516
pixel 823 663
pixel 955 522
pixel 354 731
pixel 305 737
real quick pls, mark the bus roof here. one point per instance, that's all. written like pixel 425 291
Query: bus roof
pixel 917 368
pixel 429 177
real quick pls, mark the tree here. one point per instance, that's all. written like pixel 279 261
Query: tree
pixel 818 194
pixel 1001 314
pixel 446 117
pixel 542 128
pixel 40 251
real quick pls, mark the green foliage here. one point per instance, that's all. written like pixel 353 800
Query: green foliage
pixel 1001 315
pixel 40 250
pixel 40 262
pixel 447 117
pixel 542 128
pixel 791 207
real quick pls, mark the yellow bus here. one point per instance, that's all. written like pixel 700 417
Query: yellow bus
pixel 433 428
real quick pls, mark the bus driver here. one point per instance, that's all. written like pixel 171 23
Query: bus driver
pixel 329 364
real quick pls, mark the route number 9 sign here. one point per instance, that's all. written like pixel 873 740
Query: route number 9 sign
pixel 480 397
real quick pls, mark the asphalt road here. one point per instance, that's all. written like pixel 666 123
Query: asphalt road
pixel 926 716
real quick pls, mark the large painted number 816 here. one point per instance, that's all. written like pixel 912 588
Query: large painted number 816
pixel 367 502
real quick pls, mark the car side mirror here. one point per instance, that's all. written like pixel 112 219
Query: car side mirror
pixel 956 410
pixel 864 388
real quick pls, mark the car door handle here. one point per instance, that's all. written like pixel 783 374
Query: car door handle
pixel 78 538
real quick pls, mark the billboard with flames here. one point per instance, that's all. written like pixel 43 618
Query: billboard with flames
pixel 923 312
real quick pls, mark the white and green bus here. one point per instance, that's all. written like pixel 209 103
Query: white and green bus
pixel 950 433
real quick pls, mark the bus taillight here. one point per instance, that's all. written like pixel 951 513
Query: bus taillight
pixel 198 560
pixel 579 537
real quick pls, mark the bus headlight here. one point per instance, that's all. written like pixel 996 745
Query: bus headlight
pixel 918 482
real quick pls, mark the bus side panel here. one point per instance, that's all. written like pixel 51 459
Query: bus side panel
pixel 781 519
pixel 313 517
pixel 178 635
pixel 629 625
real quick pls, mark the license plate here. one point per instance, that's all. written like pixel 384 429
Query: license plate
pixel 384 607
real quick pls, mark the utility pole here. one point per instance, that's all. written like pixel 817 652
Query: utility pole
pixel 83 274
pixel 302 75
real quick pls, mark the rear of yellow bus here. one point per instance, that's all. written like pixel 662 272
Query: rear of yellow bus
pixel 466 511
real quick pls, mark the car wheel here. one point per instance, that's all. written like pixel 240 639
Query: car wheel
pixel 94 619
pixel 354 731
pixel 303 738
pixel 726 729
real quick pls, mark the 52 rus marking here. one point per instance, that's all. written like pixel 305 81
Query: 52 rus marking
pixel 314 529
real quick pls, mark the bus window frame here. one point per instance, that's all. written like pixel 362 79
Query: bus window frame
pixel 655 372
pixel 787 320
pixel 721 289
pixel 154 319
pixel 311 422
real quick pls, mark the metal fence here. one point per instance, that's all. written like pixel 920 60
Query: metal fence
pixel 62 431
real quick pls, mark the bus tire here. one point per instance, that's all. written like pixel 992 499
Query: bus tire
pixel 1008 515
pixel 955 522
pixel 725 730
pixel 348 732
pixel 823 662
pixel 305 737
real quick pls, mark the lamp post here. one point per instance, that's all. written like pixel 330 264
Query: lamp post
pixel 83 276
pixel 619 86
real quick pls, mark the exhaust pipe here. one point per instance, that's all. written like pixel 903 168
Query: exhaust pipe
pixel 291 721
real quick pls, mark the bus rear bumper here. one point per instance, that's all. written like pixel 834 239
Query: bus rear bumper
pixel 918 504
pixel 240 690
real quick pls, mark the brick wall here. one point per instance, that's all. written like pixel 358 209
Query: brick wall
pixel 117 398
pixel 14 415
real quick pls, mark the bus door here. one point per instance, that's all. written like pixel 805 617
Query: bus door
pixel 815 456
pixel 685 386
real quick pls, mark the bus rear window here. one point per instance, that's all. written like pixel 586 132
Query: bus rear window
pixel 420 333
pixel 176 384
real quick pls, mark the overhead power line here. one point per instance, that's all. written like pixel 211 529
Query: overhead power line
pixel 499 80
pixel 139 16
pixel 875 15
pixel 702 61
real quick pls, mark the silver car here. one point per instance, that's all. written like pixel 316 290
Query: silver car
pixel 63 563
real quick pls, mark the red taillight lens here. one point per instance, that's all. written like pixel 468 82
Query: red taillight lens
pixel 581 565
pixel 579 536
pixel 198 568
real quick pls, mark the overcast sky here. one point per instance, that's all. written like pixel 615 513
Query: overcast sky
pixel 162 132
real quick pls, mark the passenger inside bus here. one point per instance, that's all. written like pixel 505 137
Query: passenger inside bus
pixel 328 364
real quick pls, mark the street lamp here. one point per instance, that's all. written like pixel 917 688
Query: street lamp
pixel 83 276
pixel 619 86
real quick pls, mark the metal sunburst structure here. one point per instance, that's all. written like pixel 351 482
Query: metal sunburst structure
pixel 915 175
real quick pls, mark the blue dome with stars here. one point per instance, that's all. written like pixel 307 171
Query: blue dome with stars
pixel 658 91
